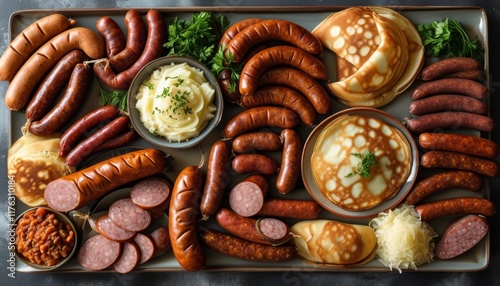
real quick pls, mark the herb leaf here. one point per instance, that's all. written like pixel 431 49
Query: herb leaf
pixel 368 160
pixel 117 98
pixel 448 38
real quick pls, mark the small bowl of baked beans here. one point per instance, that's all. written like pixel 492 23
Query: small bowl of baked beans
pixel 45 239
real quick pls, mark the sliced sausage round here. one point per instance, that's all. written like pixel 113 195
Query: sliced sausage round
pixel 150 193
pixel 129 259
pixel 105 226
pixel 146 245
pixel 162 240
pixel 247 197
pixel 129 216
pixel 98 253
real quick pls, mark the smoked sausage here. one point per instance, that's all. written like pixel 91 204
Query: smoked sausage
pixel 235 29
pixel 151 193
pixel 461 143
pixel 217 178
pixel 286 208
pixel 289 170
pixel 244 249
pixel 243 227
pixel 114 39
pixel 29 40
pixel 447 66
pixel 247 197
pixel 24 82
pixel 129 258
pixel 249 163
pixel 78 189
pixel 449 120
pixel 267 30
pixel 257 141
pixel 451 85
pixel 129 216
pixel 455 160
pixel 106 227
pixel 260 117
pixel 274 56
pixel 183 218
pixel 118 141
pixel 455 206
pixel 448 102
pixel 98 253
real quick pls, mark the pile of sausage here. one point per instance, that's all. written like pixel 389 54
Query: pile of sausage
pixel 285 75
pixel 123 241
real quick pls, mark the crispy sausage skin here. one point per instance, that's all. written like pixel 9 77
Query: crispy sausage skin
pixel 114 38
pixel 274 56
pixel 260 117
pixel 442 181
pixel 120 140
pixel 250 163
pixel 68 105
pixel 300 81
pixel 29 40
pixel 78 189
pixel 137 33
pixel 455 206
pixel 217 178
pixel 235 29
pixel 22 85
pixel 448 102
pixel 183 218
pixel 289 171
pixel 257 141
pixel 455 160
pixel 48 90
pixel 461 143
pixel 156 37
pixel 449 120
pixel 245 249
pixel 271 29
pixel 284 97
pixel 447 66
pixel 286 208
pixel 451 85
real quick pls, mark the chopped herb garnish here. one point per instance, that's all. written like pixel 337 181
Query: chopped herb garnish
pixel 368 160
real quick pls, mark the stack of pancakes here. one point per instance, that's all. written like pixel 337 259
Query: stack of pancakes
pixel 379 53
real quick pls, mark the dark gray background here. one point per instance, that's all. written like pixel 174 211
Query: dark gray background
pixel 490 276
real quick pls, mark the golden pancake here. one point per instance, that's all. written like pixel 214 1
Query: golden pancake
pixel 333 162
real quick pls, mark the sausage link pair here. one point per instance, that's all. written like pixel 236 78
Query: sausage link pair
pixel 235 29
pixel 183 218
pixel 462 143
pixel 69 104
pixel 290 161
pixel 22 85
pixel 156 37
pixel 48 90
pixel 449 120
pixel 455 160
pixel 284 97
pixel 274 56
pixel 217 178
pixel 455 206
pixel 448 66
pixel 28 41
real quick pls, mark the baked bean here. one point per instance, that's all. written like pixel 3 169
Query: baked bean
pixel 42 238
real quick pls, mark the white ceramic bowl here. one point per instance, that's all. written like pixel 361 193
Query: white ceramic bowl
pixel 318 196
pixel 134 114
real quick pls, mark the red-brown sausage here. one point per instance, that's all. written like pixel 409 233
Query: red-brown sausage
pixel 98 253
pixel 461 143
pixel 69 104
pixel 455 160
pixel 286 208
pixel 248 250
pixel 87 146
pixel 118 141
pixel 250 163
pixel 217 178
pixel 137 33
pixel 129 216
pixel 183 219
pixel 105 226
pixel 273 230
pixel 448 102
pixel 114 39
pixel 150 193
pixel 449 120
pixel 455 206
pixel 260 117
pixel 289 171
pixel 48 90
pixel 442 181
pixel 243 227
pixel 28 77
pixel 229 86
pixel 284 97
pixel 80 188
pixel 301 81
pixel 29 40
pixel 235 29
pixel 156 37
pixel 247 197
pixel 274 56
pixel 451 85
pixel 267 30
pixel 450 65
pixel 129 258
pixel 461 235
pixel 257 141
pixel 477 75
pixel 162 239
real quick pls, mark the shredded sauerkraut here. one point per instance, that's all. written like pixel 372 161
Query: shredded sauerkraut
pixel 403 240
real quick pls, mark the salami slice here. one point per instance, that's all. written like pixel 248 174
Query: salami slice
pixel 98 253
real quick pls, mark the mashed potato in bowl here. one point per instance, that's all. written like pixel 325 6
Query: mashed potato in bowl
pixel 176 102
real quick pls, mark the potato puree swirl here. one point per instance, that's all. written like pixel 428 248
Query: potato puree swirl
pixel 176 102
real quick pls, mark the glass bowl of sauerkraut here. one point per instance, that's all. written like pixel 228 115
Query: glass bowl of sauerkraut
pixel 175 102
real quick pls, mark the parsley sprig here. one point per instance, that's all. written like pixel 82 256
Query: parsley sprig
pixel 116 97
pixel 449 39
pixel 368 160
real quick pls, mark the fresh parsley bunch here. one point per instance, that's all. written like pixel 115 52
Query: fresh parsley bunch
pixel 449 39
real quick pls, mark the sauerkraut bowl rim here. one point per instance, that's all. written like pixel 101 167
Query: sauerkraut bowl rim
pixel 145 73
pixel 364 215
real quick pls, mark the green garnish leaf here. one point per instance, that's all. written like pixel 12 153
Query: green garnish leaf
pixel 449 39
pixel 368 160
pixel 117 98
